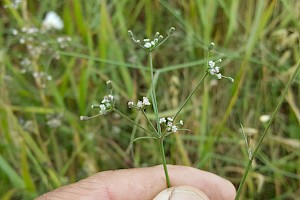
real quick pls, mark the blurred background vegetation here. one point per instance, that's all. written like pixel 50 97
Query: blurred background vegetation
pixel 45 85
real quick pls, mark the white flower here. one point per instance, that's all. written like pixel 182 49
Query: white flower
pixel 162 120
pixel 181 122
pixel 139 104
pixel 60 39
pixel 147 45
pixel 169 124
pixel 170 119
pixel 53 21
pixel 219 76
pixel 102 109
pixel 174 129
pixel 32 30
pixel 130 104
pixel 14 31
pixel 211 63
pixel 49 78
pixel 231 79
pixel 264 118
pixel 105 100
pixel 35 74
pixel 212 71
pixel 146 101
pixel 22 41
pixel 110 97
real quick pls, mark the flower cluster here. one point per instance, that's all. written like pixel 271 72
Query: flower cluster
pixel 106 104
pixel 150 45
pixel 169 123
pixel 140 104
pixel 214 70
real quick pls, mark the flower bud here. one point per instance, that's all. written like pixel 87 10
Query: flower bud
pixel 156 35
pixel 211 46
pixel 172 29
pixel 84 118
pixel 130 33
pixel 109 84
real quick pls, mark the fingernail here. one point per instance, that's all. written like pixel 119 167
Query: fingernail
pixel 181 193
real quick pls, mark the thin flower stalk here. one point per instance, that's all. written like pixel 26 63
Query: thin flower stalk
pixel 161 142
pixel 123 115
pixel 190 95
pixel 147 118
pixel 153 94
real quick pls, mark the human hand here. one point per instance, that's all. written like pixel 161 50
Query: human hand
pixel 143 184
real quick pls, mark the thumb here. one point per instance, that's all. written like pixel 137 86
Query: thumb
pixel 181 193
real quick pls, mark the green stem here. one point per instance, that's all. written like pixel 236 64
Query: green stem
pixel 280 101
pixel 153 95
pixel 190 95
pixel 194 90
pixel 154 103
pixel 123 115
pixel 149 121
pixel 146 137
pixel 163 156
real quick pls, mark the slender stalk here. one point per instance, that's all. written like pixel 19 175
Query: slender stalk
pixel 190 95
pixel 153 95
pixel 123 115
pixel 147 118
pixel 146 137
pixel 161 142
pixel 163 156
pixel 280 101
pixel 194 90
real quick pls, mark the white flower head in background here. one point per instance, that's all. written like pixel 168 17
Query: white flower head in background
pixel 264 118
pixel 53 21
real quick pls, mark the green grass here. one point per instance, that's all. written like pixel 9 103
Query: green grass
pixel 258 41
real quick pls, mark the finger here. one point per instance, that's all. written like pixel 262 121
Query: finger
pixel 143 183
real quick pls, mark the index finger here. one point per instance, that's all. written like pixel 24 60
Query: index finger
pixel 143 183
